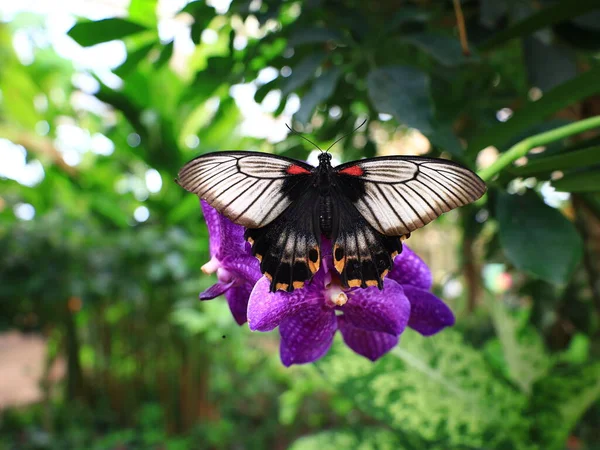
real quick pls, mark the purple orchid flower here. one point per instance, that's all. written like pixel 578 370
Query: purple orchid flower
pixel 237 270
pixel 371 321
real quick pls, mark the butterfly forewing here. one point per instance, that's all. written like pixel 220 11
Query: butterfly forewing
pixel 250 189
pixel 398 194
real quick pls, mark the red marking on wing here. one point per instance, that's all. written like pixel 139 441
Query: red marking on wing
pixel 297 170
pixel 355 171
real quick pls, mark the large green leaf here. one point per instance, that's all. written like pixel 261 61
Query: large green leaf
pixel 438 389
pixel 588 181
pixel 362 438
pixel 537 238
pixel 403 92
pixel 559 401
pixel 564 161
pixel 321 90
pixel 556 13
pixel 533 113
pixel 92 33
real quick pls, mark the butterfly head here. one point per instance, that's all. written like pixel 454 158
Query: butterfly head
pixel 325 158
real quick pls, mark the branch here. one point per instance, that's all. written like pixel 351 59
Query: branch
pixel 523 147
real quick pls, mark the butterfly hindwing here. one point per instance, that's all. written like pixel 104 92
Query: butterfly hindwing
pixel 398 194
pixel 289 247
pixel 249 188
pixel 361 254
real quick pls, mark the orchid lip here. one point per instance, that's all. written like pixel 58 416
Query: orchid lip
pixel 211 266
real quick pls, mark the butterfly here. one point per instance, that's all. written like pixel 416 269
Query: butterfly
pixel 366 208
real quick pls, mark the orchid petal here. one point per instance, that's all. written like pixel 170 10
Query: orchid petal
pixel 244 266
pixel 409 268
pixel 387 311
pixel 370 344
pixel 266 310
pixel 307 335
pixel 215 290
pixel 213 223
pixel 428 314
pixel 237 298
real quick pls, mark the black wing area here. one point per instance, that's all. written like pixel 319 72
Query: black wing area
pixel 361 254
pixel 289 247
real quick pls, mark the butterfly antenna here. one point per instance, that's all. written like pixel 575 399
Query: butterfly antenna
pixel 346 135
pixel 300 134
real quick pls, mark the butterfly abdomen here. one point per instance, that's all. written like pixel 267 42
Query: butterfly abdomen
pixel 326 214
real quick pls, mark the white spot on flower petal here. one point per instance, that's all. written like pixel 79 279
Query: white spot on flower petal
pixel 211 266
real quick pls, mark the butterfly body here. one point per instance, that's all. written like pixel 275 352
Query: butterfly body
pixel 365 208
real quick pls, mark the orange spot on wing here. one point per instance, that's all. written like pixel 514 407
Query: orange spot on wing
pixel 297 170
pixel 355 171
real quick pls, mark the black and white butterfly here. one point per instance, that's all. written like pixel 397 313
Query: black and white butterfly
pixel 364 207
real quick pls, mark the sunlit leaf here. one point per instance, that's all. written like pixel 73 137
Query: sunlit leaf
pixel 143 11
pixel 436 388
pixel 165 54
pixel 362 438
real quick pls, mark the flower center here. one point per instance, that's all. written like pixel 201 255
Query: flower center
pixel 336 297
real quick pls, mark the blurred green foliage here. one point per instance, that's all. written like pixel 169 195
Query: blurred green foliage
pixel 149 367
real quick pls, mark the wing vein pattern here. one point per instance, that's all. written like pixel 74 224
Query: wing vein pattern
pixel 398 194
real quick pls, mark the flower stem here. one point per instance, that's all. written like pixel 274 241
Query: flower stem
pixel 523 147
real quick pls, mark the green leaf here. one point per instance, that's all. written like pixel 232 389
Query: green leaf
pixel 362 438
pixel 133 59
pixel 560 400
pixel 588 181
pixel 548 65
pixel 263 90
pixel 537 238
pixel 556 13
pixel 305 36
pixel 143 11
pixel 165 54
pixel 110 210
pixel 523 349
pixel 203 14
pixel 564 161
pixel 321 90
pixel 574 90
pixel 302 72
pixel 438 389
pixel 92 33
pixel 19 92
pixel 403 92
pixel 444 49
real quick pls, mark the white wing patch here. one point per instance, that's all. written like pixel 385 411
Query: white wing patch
pixel 245 187
pixel 402 194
